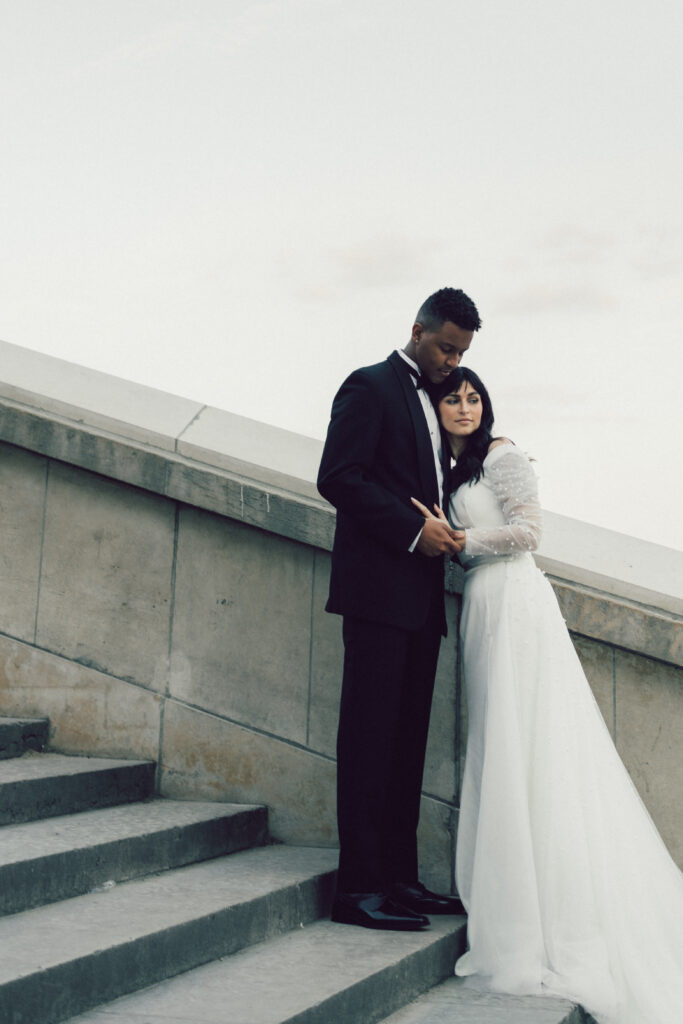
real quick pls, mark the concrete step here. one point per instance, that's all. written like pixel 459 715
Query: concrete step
pixel 56 858
pixel 17 735
pixel 453 1001
pixel 45 785
pixel 62 959
pixel 317 975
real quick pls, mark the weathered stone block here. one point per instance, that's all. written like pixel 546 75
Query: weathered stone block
pixel 440 770
pixel 208 758
pixel 105 590
pixel 242 624
pixel 22 500
pixel 89 712
pixel 650 739
pixel 327 663
pixel 436 842
pixel 597 662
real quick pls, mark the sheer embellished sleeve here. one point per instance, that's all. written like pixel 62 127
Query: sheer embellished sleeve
pixel 514 485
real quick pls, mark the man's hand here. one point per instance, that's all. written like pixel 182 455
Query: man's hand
pixel 438 538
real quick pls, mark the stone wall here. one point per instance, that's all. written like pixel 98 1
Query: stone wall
pixel 164 574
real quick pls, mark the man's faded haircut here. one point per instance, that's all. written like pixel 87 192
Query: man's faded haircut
pixel 448 304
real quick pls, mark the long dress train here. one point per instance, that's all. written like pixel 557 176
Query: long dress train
pixel 569 888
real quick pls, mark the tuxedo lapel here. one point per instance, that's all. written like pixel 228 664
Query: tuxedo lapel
pixel 418 421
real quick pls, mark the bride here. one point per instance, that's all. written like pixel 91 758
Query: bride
pixel 569 888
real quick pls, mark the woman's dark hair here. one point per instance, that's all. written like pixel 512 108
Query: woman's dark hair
pixel 470 464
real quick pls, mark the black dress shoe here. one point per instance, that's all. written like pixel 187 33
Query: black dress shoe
pixel 375 910
pixel 416 897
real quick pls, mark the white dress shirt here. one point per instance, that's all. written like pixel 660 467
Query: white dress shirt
pixel 432 426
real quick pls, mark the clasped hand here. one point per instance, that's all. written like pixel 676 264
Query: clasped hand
pixel 438 537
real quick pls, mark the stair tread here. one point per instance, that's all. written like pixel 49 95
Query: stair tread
pixel 21 720
pixel 48 836
pixel 38 939
pixel 274 981
pixel 452 1000
pixel 35 765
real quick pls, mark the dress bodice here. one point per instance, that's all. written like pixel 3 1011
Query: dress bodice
pixel 500 513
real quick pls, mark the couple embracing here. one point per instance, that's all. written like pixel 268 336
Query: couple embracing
pixel 568 888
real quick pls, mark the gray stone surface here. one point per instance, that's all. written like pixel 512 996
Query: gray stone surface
pixel 625 567
pixel 452 1002
pixel 105 592
pixel 17 735
pixel 22 500
pixel 89 712
pixel 650 631
pixel 436 835
pixel 55 386
pixel 325 973
pixel 44 861
pixel 650 739
pixel 597 661
pixel 208 758
pixel 61 959
pixel 45 785
pixel 251 448
pixel 327 663
pixel 440 768
pixel 242 624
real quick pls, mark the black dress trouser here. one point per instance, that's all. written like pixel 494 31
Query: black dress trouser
pixel 383 724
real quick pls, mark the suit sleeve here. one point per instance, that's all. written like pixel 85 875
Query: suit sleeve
pixel 346 476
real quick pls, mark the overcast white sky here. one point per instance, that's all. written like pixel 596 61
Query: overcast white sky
pixel 242 201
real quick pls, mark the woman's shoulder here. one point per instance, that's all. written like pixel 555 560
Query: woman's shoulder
pixel 501 447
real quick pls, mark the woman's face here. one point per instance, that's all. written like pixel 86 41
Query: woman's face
pixel 460 412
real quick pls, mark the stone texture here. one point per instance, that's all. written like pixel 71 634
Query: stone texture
pixel 242 624
pixel 17 735
pixel 22 500
pixel 56 859
pixel 650 739
pixel 597 661
pixel 655 633
pixel 135 934
pixel 215 490
pixel 89 712
pixel 48 785
pixel 254 449
pixel 323 974
pixel 436 844
pixel 105 591
pixel 327 663
pixel 440 770
pixel 205 757
pixel 60 388
pixel 452 1002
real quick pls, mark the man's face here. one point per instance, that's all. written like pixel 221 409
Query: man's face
pixel 439 352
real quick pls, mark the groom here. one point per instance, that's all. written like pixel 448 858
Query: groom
pixel 383 447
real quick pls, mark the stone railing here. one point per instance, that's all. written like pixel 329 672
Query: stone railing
pixel 164 575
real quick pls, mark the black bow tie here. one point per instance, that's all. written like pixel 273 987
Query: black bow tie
pixel 422 381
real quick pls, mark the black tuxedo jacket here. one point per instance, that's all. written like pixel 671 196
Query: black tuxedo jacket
pixel 378 454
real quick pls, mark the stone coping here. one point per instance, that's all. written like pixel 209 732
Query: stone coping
pixel 259 473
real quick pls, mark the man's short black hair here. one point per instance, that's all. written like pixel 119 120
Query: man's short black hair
pixel 448 304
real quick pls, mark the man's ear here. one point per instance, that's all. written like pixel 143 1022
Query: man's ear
pixel 416 333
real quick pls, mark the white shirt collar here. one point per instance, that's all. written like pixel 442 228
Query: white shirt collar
pixel 410 362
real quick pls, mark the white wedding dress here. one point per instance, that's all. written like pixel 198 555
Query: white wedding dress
pixel 569 888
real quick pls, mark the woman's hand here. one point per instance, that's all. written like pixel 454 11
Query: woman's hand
pixel 427 514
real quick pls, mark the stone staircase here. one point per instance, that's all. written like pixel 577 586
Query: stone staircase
pixel 122 908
